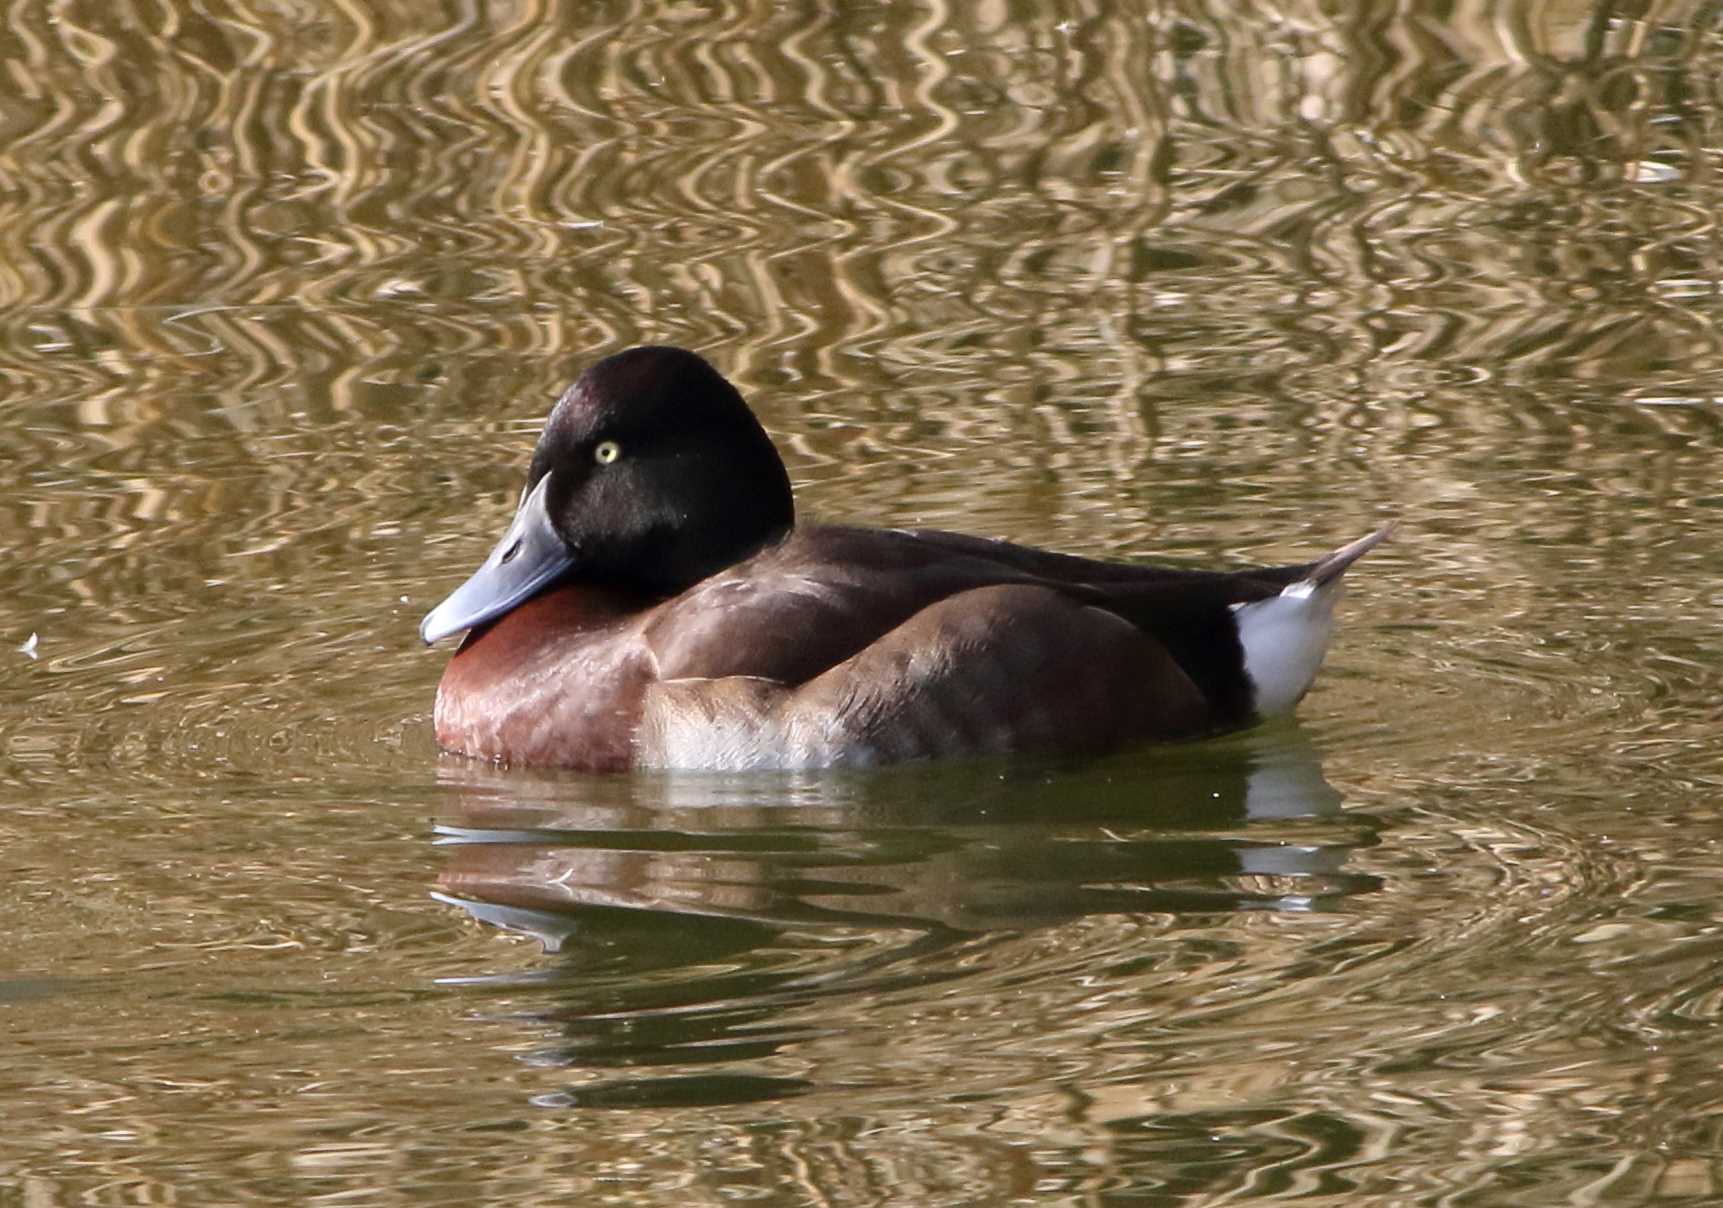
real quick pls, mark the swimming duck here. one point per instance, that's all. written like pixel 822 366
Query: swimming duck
pixel 653 604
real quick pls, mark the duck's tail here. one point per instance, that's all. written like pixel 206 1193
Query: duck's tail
pixel 1284 637
pixel 1330 567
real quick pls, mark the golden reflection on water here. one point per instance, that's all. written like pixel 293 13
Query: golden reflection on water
pixel 284 291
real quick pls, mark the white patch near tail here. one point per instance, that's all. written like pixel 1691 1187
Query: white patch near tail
pixel 1284 638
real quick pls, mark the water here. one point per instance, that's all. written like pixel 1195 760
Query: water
pixel 284 293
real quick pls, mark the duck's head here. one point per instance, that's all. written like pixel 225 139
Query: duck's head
pixel 650 475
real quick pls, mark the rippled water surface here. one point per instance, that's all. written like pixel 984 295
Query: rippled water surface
pixel 285 289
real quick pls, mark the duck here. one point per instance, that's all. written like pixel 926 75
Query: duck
pixel 654 604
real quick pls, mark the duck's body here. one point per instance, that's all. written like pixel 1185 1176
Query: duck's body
pixel 663 614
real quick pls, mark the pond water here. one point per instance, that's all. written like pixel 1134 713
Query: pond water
pixel 285 290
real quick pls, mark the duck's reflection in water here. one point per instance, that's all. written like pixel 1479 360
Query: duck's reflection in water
pixel 695 916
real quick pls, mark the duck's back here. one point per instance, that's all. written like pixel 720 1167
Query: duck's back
pixel 824 593
pixel 857 646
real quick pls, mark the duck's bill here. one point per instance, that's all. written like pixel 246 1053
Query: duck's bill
pixel 529 557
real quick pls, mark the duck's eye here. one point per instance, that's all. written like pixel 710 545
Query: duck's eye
pixel 606 451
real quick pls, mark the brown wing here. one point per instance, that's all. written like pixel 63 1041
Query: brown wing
pixel 826 594
pixel 805 605
pixel 1008 669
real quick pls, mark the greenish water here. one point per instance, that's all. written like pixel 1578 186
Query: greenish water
pixel 285 290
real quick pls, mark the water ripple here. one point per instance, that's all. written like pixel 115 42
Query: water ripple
pixel 284 291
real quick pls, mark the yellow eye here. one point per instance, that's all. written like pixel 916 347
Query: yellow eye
pixel 606 451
